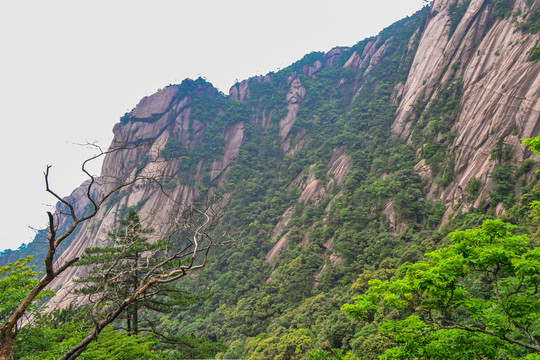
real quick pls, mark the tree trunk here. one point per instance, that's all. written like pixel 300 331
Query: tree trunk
pixel 135 319
pixel 6 344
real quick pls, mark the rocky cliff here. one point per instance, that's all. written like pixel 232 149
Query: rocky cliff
pixel 478 61
pixel 339 162
pixel 499 96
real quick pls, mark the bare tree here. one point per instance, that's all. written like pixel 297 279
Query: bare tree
pixel 66 220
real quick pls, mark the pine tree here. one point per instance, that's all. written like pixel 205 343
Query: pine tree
pixel 117 271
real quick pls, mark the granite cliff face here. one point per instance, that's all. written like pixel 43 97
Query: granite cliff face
pixel 153 123
pixel 499 99
pixel 201 139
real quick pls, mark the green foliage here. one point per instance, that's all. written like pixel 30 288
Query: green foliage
pixel 292 345
pixel 113 275
pixel 171 184
pixel 124 119
pixel 117 345
pixel 49 335
pixel 36 250
pixel 501 152
pixel 336 354
pixel 16 280
pixel 479 294
pixel 173 150
pixel 456 12
pixel 115 272
pixel 191 347
pixel 320 172
pixel 473 188
pixel 433 129
pixel 264 310
pixel 308 60
pixel 211 116
pixel 532 23
pixel 533 144
pixel 501 8
pixel 49 342
pixel 525 167
pixel 503 189
pixel 198 88
pixel 502 175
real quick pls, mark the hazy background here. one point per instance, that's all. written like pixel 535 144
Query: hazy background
pixel 70 69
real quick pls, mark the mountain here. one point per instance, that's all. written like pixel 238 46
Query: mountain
pixel 347 162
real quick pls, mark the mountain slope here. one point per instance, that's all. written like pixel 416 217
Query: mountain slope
pixel 345 162
pixel 499 92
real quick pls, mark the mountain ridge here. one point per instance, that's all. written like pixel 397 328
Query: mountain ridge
pixel 347 161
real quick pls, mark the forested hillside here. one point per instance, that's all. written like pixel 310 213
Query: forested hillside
pixel 345 167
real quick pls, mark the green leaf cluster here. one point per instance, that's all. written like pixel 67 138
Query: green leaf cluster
pixel 16 280
pixel 477 296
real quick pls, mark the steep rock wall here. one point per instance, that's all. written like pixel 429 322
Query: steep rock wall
pixel 137 143
pixel 500 96
pixel 486 52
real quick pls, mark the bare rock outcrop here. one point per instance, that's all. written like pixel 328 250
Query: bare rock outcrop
pixel 240 91
pixel 338 167
pixel 138 146
pixel 155 104
pixel 333 55
pixel 295 95
pixel 278 247
pixel 313 69
pixel 500 98
pixel 376 57
pixel 365 63
pixel 233 142
pixel 313 191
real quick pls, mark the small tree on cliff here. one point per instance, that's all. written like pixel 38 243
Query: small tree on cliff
pixel 136 273
pixel 117 271
pixel 68 218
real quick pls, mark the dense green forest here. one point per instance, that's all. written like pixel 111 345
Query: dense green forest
pixel 367 271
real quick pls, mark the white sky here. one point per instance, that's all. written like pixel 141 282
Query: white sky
pixel 69 70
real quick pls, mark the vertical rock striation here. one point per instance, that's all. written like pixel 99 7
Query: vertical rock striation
pixel 500 97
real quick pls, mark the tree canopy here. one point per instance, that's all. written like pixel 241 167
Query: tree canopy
pixel 476 298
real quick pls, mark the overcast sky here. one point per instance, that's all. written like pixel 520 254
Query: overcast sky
pixel 70 69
